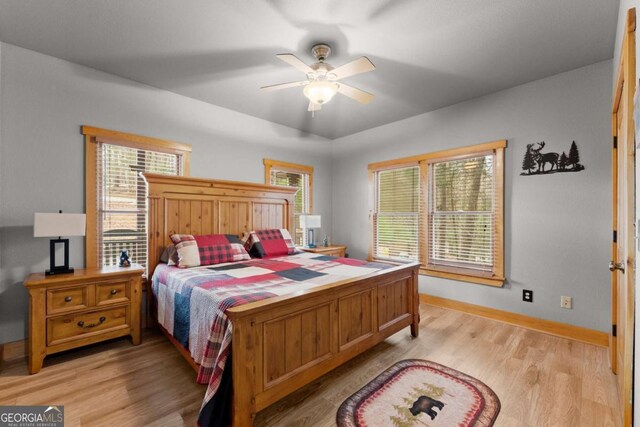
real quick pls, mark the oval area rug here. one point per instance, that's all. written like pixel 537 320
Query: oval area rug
pixel 416 392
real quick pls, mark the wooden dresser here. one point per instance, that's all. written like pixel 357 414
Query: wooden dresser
pixel 333 250
pixel 90 305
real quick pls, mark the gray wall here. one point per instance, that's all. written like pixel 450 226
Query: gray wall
pixel 557 227
pixel 45 100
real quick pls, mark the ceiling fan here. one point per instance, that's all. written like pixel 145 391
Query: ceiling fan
pixel 322 79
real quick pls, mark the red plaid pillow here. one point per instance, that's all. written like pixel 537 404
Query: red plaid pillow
pixel 268 243
pixel 194 251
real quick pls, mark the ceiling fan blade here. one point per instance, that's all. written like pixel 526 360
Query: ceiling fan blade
pixel 314 107
pixel 291 59
pixel 357 94
pixel 284 85
pixel 358 66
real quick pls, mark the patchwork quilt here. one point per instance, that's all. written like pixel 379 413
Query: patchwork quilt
pixel 192 304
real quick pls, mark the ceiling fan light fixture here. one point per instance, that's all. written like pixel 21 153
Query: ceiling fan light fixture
pixel 320 92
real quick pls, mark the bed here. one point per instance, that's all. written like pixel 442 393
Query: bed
pixel 272 354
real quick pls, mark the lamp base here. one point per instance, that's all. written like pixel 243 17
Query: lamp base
pixel 56 271
pixel 311 241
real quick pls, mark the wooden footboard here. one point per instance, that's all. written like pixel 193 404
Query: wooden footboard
pixel 284 343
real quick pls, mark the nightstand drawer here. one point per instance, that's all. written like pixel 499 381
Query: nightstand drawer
pixel 112 293
pixel 65 328
pixel 334 252
pixel 67 299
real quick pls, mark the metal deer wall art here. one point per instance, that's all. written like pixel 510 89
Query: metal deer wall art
pixel 537 162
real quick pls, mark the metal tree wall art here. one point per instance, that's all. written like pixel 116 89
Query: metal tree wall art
pixel 537 162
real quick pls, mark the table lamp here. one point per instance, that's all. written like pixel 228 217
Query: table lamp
pixel 308 223
pixel 58 225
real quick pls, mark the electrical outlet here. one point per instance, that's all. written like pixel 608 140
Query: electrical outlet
pixel 566 302
pixel 527 295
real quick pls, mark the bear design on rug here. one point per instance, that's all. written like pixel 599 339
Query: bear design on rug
pixel 425 404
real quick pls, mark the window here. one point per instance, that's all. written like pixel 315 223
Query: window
pixel 116 193
pixel 396 216
pixel 461 213
pixel 443 209
pixel 300 177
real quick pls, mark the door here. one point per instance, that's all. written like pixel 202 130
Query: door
pixel 623 249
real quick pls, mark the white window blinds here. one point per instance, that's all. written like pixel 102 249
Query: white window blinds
pixel 397 214
pixel 461 213
pixel 300 181
pixel 121 199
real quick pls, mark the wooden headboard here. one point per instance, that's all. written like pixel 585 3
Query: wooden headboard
pixel 203 206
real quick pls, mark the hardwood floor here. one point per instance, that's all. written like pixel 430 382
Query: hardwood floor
pixel 541 380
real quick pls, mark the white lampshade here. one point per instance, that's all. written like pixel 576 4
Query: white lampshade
pixel 320 92
pixel 59 224
pixel 310 221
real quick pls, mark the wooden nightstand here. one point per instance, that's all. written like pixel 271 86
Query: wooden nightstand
pixel 333 250
pixel 85 307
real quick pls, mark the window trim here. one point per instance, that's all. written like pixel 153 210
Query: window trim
pixel 91 136
pixel 496 278
pixel 270 164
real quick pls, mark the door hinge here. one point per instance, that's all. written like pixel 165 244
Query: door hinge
pixel 614 330
pixel 615 141
pixel 615 236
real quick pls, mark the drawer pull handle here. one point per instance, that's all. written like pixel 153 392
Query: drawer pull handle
pixel 91 325
pixel 113 291
pixel 67 299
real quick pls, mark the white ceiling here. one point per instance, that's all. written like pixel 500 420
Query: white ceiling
pixel 428 53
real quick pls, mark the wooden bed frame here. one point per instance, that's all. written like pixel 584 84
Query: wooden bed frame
pixel 283 343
